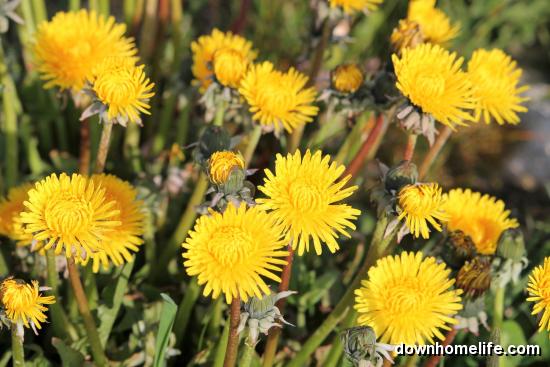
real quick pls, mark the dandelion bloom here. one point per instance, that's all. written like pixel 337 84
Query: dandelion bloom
pixel 431 78
pixel 407 34
pixel 539 293
pixel 206 47
pixel 69 213
pixel 119 244
pixel 278 99
pixel 68 47
pixel 347 78
pixel 123 88
pixel 351 6
pixel 421 204
pixel 229 67
pixel 303 195
pixel 231 251
pixel 434 24
pixel 10 207
pixel 221 164
pixel 23 303
pixel 482 217
pixel 408 299
pixel 495 78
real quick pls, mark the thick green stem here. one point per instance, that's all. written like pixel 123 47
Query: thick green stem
pixel 89 324
pixel 233 340
pixel 18 354
pixel 253 140
pixel 219 356
pixel 498 307
pixel 60 323
pixel 247 354
pixel 378 246
pixel 103 149
pixel 184 310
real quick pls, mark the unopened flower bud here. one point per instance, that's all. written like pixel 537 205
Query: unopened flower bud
pixel 511 245
pixel 347 78
pixel 405 173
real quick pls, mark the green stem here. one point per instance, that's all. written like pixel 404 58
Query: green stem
pixel 74 5
pixel 221 348
pixel 337 349
pixel 165 123
pixel 18 354
pixel 253 140
pixel 89 324
pixel 60 323
pixel 216 319
pixel 131 146
pixel 103 149
pixel 185 224
pixel 247 354
pixel 378 246
pixel 184 310
pixel 39 11
pixel 498 307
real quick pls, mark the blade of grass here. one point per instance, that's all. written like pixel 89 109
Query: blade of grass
pixel 168 314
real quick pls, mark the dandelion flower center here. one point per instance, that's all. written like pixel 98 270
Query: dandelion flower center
pixel 67 215
pixel 306 196
pixel 230 66
pixel 230 245
pixel 221 164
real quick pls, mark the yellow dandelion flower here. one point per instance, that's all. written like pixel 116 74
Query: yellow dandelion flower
pixel 407 34
pixel 347 78
pixel 351 6
pixel 69 213
pixel 278 98
pixel 119 244
pixel 431 78
pixel 539 293
pixel 495 78
pixel 205 48
pixel 231 251
pixel 421 204
pixel 221 164
pixel 230 66
pixel 408 299
pixel 68 47
pixel 303 195
pixel 436 27
pixel 123 88
pixel 10 208
pixel 482 217
pixel 23 303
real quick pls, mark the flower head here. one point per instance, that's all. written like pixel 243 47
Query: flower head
pixel 495 78
pixel 23 303
pixel 481 217
pixel 351 6
pixel 10 208
pixel 278 99
pixel 122 88
pixel 230 66
pixel 407 299
pixel 407 34
pixel 231 251
pixel 68 47
pixel 303 195
pixel 539 293
pixel 120 243
pixel 435 25
pixel 431 78
pixel 347 78
pixel 205 50
pixel 221 164
pixel 69 213
pixel 421 204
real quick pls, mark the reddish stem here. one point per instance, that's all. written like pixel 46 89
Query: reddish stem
pixel 409 150
pixel 366 148
pixel 233 341
pixel 434 151
pixel 434 360
pixel 240 22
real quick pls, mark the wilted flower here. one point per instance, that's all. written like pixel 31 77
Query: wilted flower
pixel 23 304
pixel 70 214
pixel 434 24
pixel 351 6
pixel 347 78
pixel 121 91
pixel 481 217
pixel 474 278
pixel 408 299
pixel 407 34
pixel 539 293
pixel 230 251
pixel 235 48
pixel 495 78
pixel 420 204
pixel 302 195
pixel 69 47
pixel 431 78
pixel 278 99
